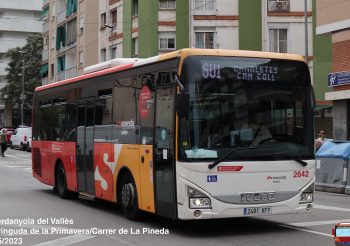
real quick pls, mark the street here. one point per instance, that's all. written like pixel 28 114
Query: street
pixel 46 219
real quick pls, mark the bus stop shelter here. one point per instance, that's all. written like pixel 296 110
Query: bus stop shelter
pixel 332 167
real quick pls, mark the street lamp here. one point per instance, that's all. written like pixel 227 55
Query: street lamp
pixel 22 101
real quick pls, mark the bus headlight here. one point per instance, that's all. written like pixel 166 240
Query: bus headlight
pixel 197 199
pixel 307 196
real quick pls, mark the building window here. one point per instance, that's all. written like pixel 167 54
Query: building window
pixel 204 40
pixel 71 36
pixel 278 40
pixel 114 18
pixel 204 6
pixel 278 6
pixel 135 7
pixel 81 25
pixel 81 58
pixel 103 55
pixel 167 4
pixel 103 20
pixel 134 47
pixel 167 40
pixel 52 70
pixel 113 52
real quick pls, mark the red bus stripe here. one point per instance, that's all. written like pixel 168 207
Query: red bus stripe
pixel 86 76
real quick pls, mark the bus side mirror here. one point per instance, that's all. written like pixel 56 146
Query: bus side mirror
pixel 333 231
pixel 182 104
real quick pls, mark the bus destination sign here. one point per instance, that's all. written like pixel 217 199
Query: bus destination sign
pixel 214 70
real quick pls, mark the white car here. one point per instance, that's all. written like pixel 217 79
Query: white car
pixel 20 137
pixel 29 146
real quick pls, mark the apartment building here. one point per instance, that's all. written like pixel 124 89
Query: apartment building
pixel 144 28
pixel 139 28
pixel 18 19
pixel 333 19
pixel 70 38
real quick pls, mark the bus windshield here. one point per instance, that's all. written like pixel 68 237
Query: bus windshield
pixel 246 102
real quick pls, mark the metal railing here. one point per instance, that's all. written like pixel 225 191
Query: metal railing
pixel 202 46
pixel 46 26
pixel 60 16
pixel 44 81
pixel 204 7
pixel 45 55
pixel 45 2
pixel 67 74
pixel 277 6
pixel 279 46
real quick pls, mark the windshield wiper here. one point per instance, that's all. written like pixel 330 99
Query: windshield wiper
pixel 215 163
pixel 297 159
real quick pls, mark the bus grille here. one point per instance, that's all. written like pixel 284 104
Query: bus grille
pixel 37 161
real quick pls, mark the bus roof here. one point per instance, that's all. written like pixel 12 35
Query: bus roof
pixel 121 64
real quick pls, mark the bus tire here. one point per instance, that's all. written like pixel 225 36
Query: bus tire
pixel 61 182
pixel 128 199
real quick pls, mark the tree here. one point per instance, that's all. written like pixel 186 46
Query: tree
pixel 30 55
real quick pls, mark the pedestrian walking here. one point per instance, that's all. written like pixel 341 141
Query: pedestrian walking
pixel 322 138
pixel 3 142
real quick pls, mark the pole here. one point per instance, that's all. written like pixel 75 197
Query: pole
pixel 306 32
pixel 22 104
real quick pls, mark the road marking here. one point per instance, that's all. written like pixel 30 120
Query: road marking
pixel 317 223
pixel 20 168
pixel 331 208
pixel 66 240
pixel 306 230
pixel 13 156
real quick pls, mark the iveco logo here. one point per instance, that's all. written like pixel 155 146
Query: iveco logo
pixel 257 197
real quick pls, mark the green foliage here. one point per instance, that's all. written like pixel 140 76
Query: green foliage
pixel 32 64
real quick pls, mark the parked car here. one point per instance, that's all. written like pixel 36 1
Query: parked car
pixel 20 137
pixel 29 146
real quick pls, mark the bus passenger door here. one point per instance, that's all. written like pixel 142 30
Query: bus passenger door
pixel 85 140
pixel 164 152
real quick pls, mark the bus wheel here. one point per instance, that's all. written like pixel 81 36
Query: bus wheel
pixel 61 182
pixel 128 197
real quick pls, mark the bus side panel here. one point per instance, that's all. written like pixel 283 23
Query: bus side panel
pixel 104 166
pixel 109 159
pixel 69 163
pixel 43 148
pixel 49 153
pixel 146 194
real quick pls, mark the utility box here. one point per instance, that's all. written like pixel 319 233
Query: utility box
pixel 332 167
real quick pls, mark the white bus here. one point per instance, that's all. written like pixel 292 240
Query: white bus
pixel 192 134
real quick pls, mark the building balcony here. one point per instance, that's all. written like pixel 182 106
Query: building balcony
pixel 45 55
pixel 67 74
pixel 61 16
pixel 202 46
pixel 279 46
pixel 21 25
pixel 204 7
pixel 44 81
pixel 6 44
pixel 46 26
pixel 278 6
pixel 45 2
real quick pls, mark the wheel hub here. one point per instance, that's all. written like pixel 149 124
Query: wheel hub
pixel 128 194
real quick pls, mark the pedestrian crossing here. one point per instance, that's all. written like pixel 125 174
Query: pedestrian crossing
pixel 17 160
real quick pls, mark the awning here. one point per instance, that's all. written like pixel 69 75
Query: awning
pixel 44 69
pixel 320 107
